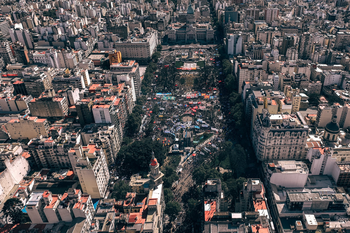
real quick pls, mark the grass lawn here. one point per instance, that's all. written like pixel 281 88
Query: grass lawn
pixel 179 64
pixel 201 64
pixel 202 138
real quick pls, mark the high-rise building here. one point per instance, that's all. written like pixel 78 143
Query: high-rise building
pixel 49 105
pixel 105 137
pixel 271 14
pixel 90 165
pixel 23 36
pixel 234 44
pixel 36 83
pixel 84 111
pixel 53 153
pixel 34 128
pixel 279 136
pixel 4 28
pixel 21 52
pixel 6 53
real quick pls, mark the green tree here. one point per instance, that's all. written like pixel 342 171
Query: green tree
pixel 12 211
pixel 226 149
pixel 159 47
pixel 172 209
pixel 227 66
pixel 230 83
pixel 156 56
pixel 238 160
pixel 137 155
pixel 168 195
pixel 133 124
pixel 120 189
pixel 204 172
pixel 182 81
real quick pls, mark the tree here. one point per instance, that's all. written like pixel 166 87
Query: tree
pixel 120 189
pixel 182 81
pixel 172 209
pixel 227 147
pixel 227 67
pixel 230 83
pixel 168 195
pixel 12 211
pixel 156 56
pixel 159 47
pixel 238 160
pixel 137 155
pixel 133 124
pixel 204 172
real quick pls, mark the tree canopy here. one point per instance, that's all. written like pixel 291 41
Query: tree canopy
pixel 138 154
pixel 172 209
pixel 12 211
pixel 120 189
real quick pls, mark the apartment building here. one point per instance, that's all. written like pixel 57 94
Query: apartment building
pixel 34 128
pixel 49 105
pixel 53 153
pixel 47 208
pixel 90 165
pixel 129 68
pixel 106 137
pixel 36 83
pixel 279 136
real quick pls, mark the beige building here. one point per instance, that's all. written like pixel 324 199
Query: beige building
pixel 27 128
pixel 279 136
pixel 13 166
pixel 325 114
pixel 49 153
pixel 138 48
pixel 90 165
pixel 47 105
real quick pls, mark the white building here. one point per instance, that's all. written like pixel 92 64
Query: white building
pixel 288 173
pixel 90 165
pixel 234 44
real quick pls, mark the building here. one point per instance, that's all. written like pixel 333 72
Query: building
pixel 123 71
pixel 271 14
pixel 6 53
pixel 13 166
pixel 47 105
pixel 280 136
pixel 35 208
pixel 189 33
pixel 14 104
pixel 115 57
pixel 36 83
pixel 90 165
pixel 21 52
pixel 138 48
pixel 47 208
pixel 249 71
pixel 23 36
pixel 325 114
pixel 287 173
pixel 105 137
pixel 34 128
pixel 53 153
pixel 84 111
pixel 234 44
